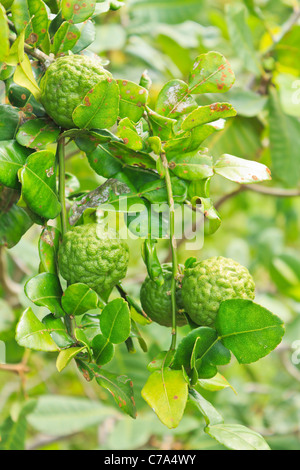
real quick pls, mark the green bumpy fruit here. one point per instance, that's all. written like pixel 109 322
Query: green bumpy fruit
pixel 65 84
pixel 156 300
pixel 208 283
pixel 93 256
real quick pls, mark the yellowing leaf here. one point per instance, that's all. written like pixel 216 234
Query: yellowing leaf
pixel 166 391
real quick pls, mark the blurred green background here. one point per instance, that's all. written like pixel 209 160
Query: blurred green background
pixel 260 229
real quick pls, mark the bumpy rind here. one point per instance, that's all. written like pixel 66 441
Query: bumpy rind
pixel 93 256
pixel 208 283
pixel 156 300
pixel 65 84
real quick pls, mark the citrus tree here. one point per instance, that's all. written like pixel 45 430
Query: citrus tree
pixel 152 157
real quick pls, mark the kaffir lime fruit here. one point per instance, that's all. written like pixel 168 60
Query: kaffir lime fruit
pixel 208 283
pixel 93 256
pixel 156 300
pixel 65 84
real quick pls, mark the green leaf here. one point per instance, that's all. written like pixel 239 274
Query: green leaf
pixel 120 387
pixel 77 11
pixel 284 142
pixel 9 122
pixel 211 73
pixel 32 334
pixel 12 158
pixel 174 100
pixel 126 156
pixel 79 299
pixel 14 221
pixel 37 133
pixel 100 106
pixel 13 431
pixel 192 140
pixel 133 99
pixel 166 392
pixel 237 437
pixel 103 350
pixel 285 272
pixel 248 330
pixel 4 34
pixel 60 415
pixel 128 133
pixel 241 37
pixel 201 349
pixel 87 36
pixel 57 330
pixel 240 170
pixel 45 290
pixel 38 178
pixel 65 357
pixel 24 77
pixel 191 166
pixel 210 414
pixel 163 127
pixel 207 114
pixel 215 384
pixel 115 321
pixel 48 249
pixel 65 38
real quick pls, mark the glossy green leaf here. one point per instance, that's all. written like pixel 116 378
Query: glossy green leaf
pixel 77 11
pixel 192 140
pixel 166 392
pixel 87 36
pixel 127 132
pixel 240 170
pixel 126 156
pixel 45 290
pixel 133 99
pixel 57 330
pixel 192 166
pixel 174 100
pixel 100 106
pixel 200 349
pixel 115 321
pixel 65 357
pixel 211 415
pixel 24 77
pixel 48 248
pixel 38 178
pixel 103 350
pixel 32 334
pixel 237 437
pixel 162 126
pixel 215 384
pixel 65 38
pixel 248 330
pixel 37 133
pixel 79 299
pixel 207 114
pixel 9 122
pixel 211 73
pixel 12 159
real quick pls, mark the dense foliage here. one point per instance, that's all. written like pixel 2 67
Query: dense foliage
pixel 197 131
